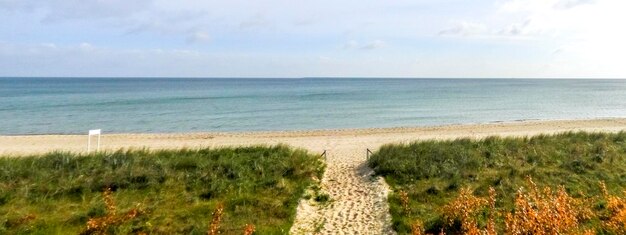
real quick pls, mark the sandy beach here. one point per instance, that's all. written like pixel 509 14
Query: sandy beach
pixel 358 200
pixel 315 140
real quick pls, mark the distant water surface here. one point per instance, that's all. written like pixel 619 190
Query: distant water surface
pixel 75 105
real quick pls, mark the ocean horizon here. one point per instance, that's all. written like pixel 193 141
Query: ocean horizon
pixel 57 105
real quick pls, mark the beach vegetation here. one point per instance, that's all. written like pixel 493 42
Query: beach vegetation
pixel 567 183
pixel 241 190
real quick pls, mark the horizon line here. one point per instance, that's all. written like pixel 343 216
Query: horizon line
pixel 324 77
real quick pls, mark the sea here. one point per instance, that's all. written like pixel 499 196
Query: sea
pixel 166 105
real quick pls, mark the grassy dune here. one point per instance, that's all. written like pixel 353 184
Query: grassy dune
pixel 428 175
pixel 157 192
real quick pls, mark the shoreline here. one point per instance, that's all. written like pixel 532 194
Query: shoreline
pixel 322 130
pixel 314 140
pixel 334 130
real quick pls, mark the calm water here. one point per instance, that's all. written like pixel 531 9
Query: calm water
pixel 74 105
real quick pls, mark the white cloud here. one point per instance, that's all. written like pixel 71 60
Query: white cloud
pixel 256 21
pixel 61 10
pixel 351 44
pixel 464 28
pixel 567 4
pixel 303 22
pixel 371 45
pixel 85 46
pixel 587 34
pixel 517 29
pixel 14 5
pixel 48 45
pixel 198 37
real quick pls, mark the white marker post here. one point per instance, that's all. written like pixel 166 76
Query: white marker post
pixel 93 132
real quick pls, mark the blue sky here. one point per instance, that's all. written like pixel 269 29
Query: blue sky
pixel 365 38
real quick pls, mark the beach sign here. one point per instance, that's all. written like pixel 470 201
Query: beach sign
pixel 93 133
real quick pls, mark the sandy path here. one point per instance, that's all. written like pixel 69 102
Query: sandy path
pixel 358 201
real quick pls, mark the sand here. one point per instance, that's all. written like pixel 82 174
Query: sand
pixel 358 199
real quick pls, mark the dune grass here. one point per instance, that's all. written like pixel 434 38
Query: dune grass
pixel 428 176
pixel 156 192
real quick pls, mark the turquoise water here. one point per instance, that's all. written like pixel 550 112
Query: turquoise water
pixel 75 105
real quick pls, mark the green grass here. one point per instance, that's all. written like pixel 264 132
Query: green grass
pixel 58 192
pixel 433 172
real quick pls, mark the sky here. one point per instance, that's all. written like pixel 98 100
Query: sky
pixel 322 38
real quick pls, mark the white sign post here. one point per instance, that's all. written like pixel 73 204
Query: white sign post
pixel 93 132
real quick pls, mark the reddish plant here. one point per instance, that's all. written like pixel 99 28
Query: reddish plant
pixel 214 227
pixel 101 225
